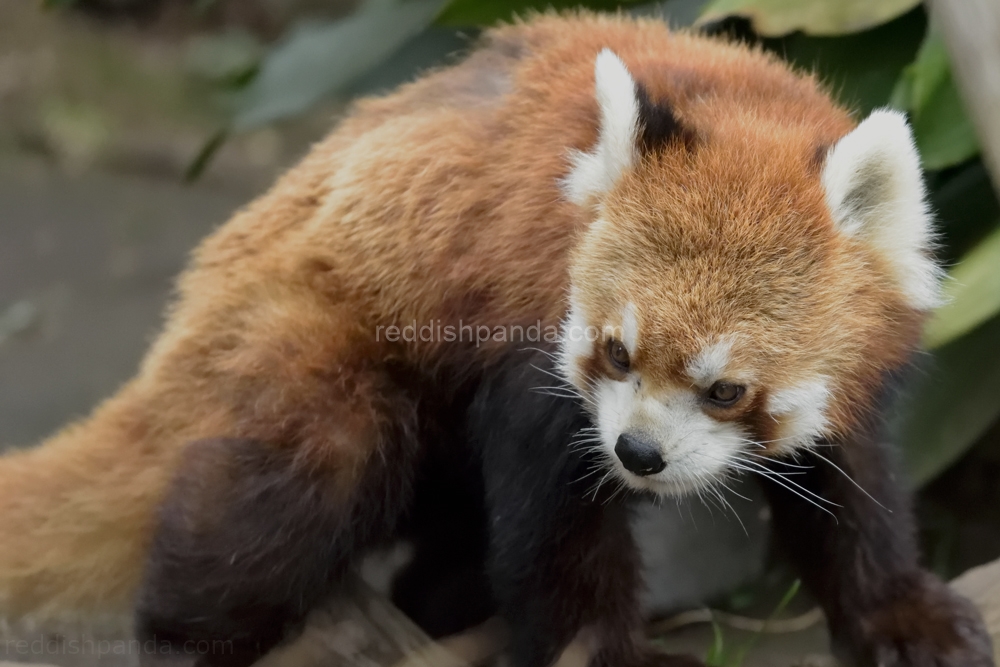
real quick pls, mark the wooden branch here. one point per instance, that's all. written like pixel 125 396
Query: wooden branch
pixel 971 30
pixel 357 628
pixel 360 628
pixel 982 586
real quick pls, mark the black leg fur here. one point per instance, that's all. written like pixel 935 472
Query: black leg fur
pixel 444 588
pixel 862 563
pixel 561 556
pixel 248 543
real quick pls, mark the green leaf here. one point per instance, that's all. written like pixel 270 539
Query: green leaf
pixel 792 591
pixel 231 58
pixel 678 13
pixel 953 403
pixel 716 656
pixel 201 161
pixel 319 59
pixel 945 137
pixel 973 294
pixel 926 90
pixel 488 12
pixel 774 18
pixel 429 49
pixel 928 71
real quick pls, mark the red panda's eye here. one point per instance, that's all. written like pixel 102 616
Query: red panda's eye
pixel 725 394
pixel 618 355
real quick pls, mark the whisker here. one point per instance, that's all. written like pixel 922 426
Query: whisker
pixel 621 486
pixel 736 493
pixel 805 498
pixel 597 488
pixel 550 373
pixel 757 468
pixel 782 474
pixel 566 391
pixel 785 476
pixel 842 472
pixel 588 437
pixel 722 499
pixel 768 442
pixel 551 355
pixel 780 462
pixel 583 446
pixel 547 391
pixel 566 386
pixel 701 498
pixel 594 469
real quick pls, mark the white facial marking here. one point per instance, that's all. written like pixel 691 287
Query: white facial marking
pixel 696 448
pixel 595 173
pixel 875 191
pixel 710 364
pixel 575 345
pixel 801 412
pixel 630 329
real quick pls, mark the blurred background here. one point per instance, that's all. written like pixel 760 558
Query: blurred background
pixel 131 128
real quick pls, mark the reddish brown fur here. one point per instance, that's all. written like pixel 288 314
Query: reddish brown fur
pixel 441 201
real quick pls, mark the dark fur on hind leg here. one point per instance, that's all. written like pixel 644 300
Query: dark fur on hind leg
pixel 561 557
pixel 444 588
pixel 248 543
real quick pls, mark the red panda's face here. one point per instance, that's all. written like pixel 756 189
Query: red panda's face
pixel 719 313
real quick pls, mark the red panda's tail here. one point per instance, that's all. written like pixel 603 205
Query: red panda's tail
pixel 75 515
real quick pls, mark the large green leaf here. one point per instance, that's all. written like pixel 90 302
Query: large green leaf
pixel 774 18
pixel 318 59
pixel 926 90
pixel 973 294
pixel 953 403
pixel 429 49
pixel 488 12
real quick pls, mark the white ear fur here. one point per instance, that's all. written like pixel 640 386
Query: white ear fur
pixel 595 173
pixel 875 192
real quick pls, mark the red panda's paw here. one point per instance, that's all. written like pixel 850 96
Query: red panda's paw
pixel 928 626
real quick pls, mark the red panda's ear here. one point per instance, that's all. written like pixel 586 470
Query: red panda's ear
pixel 875 192
pixel 595 172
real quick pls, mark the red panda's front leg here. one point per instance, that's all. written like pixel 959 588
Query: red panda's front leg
pixel 561 559
pixel 861 561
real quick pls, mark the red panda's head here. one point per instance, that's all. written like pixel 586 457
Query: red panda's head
pixel 745 283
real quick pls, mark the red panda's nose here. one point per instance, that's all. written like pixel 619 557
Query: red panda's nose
pixel 639 455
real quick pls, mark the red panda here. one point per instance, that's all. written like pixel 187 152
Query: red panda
pixel 733 266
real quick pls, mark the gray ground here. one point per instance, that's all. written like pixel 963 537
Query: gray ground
pixel 86 266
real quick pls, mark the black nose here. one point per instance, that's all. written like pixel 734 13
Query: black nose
pixel 639 455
